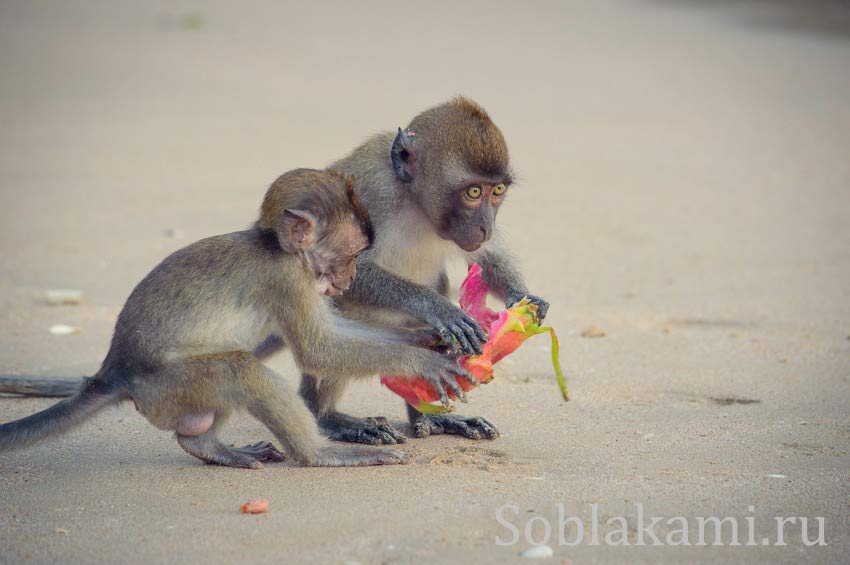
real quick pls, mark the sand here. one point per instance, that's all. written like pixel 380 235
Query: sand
pixel 683 187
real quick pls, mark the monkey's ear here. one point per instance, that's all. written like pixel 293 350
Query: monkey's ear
pixel 403 154
pixel 295 230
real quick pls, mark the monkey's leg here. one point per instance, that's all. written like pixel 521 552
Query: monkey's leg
pixel 283 412
pixel 472 427
pixel 371 430
pixel 321 396
pixel 208 448
pixel 194 397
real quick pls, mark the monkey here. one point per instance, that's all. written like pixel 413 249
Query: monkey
pixel 433 190
pixel 187 345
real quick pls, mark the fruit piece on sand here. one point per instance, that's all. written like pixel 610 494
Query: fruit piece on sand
pixel 256 506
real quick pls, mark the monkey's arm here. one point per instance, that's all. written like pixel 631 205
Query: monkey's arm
pixel 503 277
pixel 376 286
pixel 325 352
pixel 418 337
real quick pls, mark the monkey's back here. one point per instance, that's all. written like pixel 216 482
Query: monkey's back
pixel 203 298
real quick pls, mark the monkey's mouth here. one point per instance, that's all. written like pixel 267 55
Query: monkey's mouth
pixel 465 244
pixel 469 246
pixel 333 290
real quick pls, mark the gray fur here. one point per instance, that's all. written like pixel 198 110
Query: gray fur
pixel 401 278
pixel 183 347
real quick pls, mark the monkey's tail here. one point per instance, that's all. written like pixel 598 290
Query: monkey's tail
pixel 95 395
pixel 41 386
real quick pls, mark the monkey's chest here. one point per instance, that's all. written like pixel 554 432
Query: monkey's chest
pixel 412 250
pixel 418 266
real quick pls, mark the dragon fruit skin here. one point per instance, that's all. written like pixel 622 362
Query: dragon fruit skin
pixel 506 331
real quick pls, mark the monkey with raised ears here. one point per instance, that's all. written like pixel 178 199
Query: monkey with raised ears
pixel 433 191
pixel 186 345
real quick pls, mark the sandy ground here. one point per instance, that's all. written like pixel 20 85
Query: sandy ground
pixel 684 186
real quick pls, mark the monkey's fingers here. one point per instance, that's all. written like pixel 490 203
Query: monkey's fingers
pixel 462 339
pixel 479 332
pixel 444 396
pixel 448 338
pixel 262 451
pixel 542 307
pixel 452 385
pixel 467 376
pixel 471 330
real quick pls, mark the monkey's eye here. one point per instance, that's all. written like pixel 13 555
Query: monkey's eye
pixel 474 192
pixel 499 189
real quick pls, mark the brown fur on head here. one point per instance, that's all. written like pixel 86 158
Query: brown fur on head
pixel 456 162
pixel 460 128
pixel 325 194
pixel 317 214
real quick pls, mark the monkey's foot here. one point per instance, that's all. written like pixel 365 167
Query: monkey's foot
pixel 357 457
pixel 472 427
pixel 371 431
pixel 261 451
pixel 210 450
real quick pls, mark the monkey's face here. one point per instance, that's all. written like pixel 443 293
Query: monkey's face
pixel 333 256
pixel 470 215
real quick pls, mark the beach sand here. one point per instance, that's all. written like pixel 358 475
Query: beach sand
pixel 683 172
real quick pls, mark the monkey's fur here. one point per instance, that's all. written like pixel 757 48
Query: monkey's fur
pixel 416 185
pixel 184 345
pixel 412 182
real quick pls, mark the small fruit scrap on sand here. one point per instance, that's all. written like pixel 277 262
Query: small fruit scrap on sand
pixel 594 331
pixel 256 506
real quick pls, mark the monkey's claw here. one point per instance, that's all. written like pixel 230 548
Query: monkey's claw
pixel 472 427
pixel 371 431
pixel 542 305
pixel 262 451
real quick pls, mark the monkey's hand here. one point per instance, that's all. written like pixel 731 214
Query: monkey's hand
pixel 456 328
pixel 542 305
pixel 440 372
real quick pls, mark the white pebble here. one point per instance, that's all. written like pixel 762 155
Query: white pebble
pixel 537 552
pixel 776 476
pixel 64 296
pixel 62 329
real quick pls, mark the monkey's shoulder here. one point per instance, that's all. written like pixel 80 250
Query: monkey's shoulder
pixel 226 253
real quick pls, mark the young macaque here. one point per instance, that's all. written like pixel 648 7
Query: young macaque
pixel 186 345
pixel 433 190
